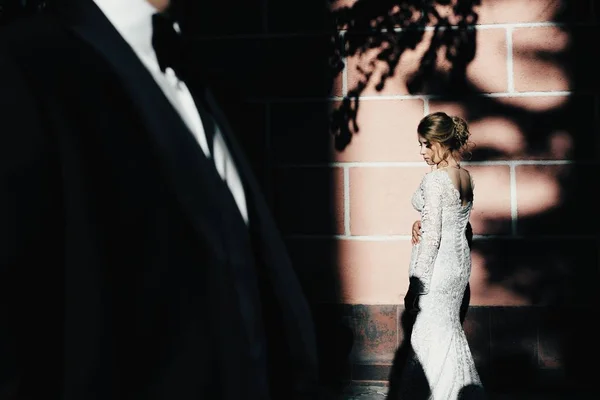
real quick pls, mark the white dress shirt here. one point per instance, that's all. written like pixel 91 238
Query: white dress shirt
pixel 133 20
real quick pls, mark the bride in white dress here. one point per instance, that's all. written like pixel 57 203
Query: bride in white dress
pixel 441 366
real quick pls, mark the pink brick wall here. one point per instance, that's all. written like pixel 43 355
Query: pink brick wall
pixel 519 74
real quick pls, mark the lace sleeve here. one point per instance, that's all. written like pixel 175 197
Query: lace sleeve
pixel 431 232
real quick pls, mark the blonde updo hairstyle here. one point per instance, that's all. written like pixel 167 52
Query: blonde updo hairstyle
pixel 451 132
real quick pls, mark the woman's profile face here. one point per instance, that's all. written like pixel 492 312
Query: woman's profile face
pixel 430 151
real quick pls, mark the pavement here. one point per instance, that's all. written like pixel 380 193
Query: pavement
pixel 363 393
pixel 360 392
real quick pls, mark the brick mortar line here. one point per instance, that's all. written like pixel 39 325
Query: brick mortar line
pixel 403 238
pixel 324 32
pixel 510 79
pixel 514 211
pixel 416 164
pixel 551 93
pixel 347 216
pixel 503 25
pixel 345 70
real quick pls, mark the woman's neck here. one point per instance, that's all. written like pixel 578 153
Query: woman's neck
pixel 450 162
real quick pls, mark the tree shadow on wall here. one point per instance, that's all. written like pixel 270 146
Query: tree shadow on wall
pixel 382 30
pixel 551 262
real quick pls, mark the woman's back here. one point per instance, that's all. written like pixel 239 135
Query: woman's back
pixel 462 181
pixel 445 197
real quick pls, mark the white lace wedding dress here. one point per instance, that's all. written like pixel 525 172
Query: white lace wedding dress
pixel 442 360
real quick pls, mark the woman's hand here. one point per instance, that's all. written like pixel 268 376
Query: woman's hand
pixel 416 232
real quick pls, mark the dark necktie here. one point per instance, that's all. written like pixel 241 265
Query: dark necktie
pixel 168 45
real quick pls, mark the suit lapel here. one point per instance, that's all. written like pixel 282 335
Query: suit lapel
pixel 260 220
pixel 276 265
pixel 182 158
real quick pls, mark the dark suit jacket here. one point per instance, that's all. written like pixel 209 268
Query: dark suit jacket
pixel 126 271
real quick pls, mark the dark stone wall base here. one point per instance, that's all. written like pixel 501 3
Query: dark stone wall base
pixel 515 348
